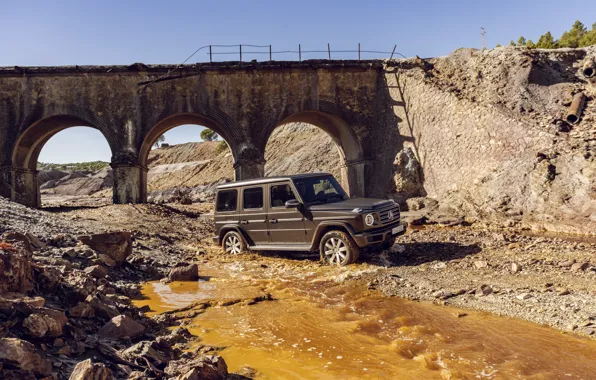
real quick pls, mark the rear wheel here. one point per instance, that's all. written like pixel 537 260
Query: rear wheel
pixel 233 243
pixel 338 248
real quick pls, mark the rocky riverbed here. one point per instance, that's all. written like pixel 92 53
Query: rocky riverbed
pixel 68 279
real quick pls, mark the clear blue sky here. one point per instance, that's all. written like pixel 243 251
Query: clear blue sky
pixel 121 32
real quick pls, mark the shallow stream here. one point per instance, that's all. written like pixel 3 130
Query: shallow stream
pixel 325 325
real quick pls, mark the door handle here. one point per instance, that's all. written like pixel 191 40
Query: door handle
pixel 272 221
pixel 244 222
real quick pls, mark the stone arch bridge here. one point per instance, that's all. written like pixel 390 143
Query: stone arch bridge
pixel 243 102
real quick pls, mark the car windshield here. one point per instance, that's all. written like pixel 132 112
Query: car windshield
pixel 321 189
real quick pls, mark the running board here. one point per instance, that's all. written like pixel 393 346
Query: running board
pixel 280 247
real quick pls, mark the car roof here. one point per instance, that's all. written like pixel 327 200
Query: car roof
pixel 264 180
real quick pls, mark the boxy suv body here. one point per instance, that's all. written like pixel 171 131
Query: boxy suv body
pixel 306 212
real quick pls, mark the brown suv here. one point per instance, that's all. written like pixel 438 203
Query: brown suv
pixel 306 212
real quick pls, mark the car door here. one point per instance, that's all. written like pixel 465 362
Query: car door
pixel 226 208
pixel 253 214
pixel 286 225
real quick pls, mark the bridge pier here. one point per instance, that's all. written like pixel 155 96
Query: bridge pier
pixel 5 181
pixel 249 164
pixel 248 170
pixel 352 178
pixel 130 183
pixel 24 187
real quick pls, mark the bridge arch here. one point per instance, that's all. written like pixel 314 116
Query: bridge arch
pixel 29 143
pixel 348 145
pixel 176 120
pixel 248 161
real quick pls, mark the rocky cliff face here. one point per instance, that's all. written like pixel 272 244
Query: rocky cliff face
pixel 489 131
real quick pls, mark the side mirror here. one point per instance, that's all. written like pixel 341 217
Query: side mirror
pixel 292 203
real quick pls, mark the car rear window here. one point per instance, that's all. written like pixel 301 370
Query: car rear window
pixel 253 197
pixel 280 194
pixel 227 200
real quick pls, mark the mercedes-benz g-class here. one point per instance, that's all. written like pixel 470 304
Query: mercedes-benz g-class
pixel 306 212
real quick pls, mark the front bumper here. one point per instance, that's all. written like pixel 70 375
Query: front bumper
pixel 215 240
pixel 377 237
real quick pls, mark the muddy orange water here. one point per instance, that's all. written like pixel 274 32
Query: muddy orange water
pixel 322 325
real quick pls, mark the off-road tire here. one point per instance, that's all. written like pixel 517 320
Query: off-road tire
pixel 233 243
pixel 338 248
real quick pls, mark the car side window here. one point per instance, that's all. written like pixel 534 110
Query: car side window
pixel 280 194
pixel 253 198
pixel 227 200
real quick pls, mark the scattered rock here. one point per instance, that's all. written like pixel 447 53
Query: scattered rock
pixel 115 245
pixel 54 321
pixel 82 310
pixel 184 273
pixel 36 325
pixel 210 367
pixel 120 327
pixel 563 292
pixel 580 266
pixel 524 296
pixel 96 271
pixel 480 264
pixel 21 354
pixel 515 268
pixel 566 263
pixel 86 370
pixel 16 274
pixel 484 290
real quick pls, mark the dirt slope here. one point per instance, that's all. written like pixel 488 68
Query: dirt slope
pixel 292 149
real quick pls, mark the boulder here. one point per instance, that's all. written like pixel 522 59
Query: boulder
pixel 21 354
pixel 144 351
pixel 82 310
pixel 120 327
pixel 407 176
pixel 104 307
pixel 9 301
pixel 16 274
pixel 13 237
pixel 86 370
pixel 184 273
pixel 209 367
pixel 96 271
pixel 115 245
pixel 36 325
pixel 45 322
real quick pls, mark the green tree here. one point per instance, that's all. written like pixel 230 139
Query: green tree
pixel 589 38
pixel 530 44
pixel 572 37
pixel 546 41
pixel 221 146
pixel 521 41
pixel 208 135
pixel 512 43
pixel 160 140
pixel 498 45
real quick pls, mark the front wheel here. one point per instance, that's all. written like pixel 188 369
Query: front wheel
pixel 338 248
pixel 234 243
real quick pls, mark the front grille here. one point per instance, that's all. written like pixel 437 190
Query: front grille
pixel 385 215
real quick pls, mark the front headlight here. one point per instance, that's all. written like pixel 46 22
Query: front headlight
pixel 369 219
